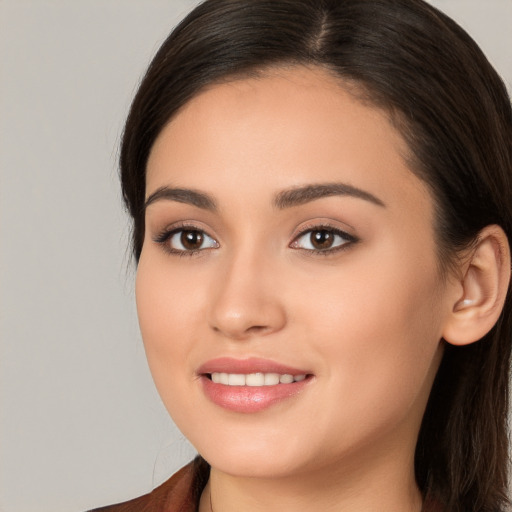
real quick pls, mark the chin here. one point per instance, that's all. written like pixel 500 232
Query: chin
pixel 248 465
pixel 255 456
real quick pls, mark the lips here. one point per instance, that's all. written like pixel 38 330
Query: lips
pixel 250 385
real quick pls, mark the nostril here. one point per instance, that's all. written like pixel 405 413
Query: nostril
pixel 257 328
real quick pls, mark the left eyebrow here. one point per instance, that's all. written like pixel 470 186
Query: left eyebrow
pixel 307 193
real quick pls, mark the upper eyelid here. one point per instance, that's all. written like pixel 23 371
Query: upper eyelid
pixel 323 225
pixel 337 232
pixel 182 226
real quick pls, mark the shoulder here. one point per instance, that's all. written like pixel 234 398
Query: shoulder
pixel 178 494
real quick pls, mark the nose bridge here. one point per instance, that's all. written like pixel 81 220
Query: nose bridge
pixel 247 300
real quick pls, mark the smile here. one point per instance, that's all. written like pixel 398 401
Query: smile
pixel 251 385
pixel 255 379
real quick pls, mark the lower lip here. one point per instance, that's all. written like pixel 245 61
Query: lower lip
pixel 249 399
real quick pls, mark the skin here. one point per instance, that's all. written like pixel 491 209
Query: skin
pixel 366 321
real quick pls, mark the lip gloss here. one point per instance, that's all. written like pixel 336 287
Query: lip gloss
pixel 246 398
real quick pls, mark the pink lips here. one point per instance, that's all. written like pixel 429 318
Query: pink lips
pixel 248 399
pixel 252 365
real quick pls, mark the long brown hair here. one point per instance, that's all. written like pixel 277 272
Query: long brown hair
pixel 452 109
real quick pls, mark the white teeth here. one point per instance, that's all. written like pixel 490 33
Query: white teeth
pixel 271 379
pixel 236 379
pixel 255 379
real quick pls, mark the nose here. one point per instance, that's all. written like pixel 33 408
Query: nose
pixel 246 301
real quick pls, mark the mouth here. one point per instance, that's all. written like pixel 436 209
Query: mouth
pixel 251 385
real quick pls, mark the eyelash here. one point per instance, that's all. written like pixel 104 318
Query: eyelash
pixel 165 236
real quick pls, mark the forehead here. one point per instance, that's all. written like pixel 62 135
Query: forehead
pixel 282 97
pixel 286 127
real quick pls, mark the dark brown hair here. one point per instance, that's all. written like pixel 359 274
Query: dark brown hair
pixel 452 109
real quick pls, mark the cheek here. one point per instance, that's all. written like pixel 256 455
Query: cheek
pixel 166 306
pixel 379 326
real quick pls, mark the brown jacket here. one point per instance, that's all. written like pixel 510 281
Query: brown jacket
pixel 178 494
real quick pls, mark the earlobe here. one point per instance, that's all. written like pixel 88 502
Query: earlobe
pixel 485 282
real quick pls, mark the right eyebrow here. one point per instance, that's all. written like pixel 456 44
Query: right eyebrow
pixel 182 195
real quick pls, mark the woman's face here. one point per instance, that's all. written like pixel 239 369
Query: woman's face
pixel 286 240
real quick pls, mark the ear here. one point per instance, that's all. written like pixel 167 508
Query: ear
pixel 484 282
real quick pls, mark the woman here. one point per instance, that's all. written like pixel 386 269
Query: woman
pixel 322 203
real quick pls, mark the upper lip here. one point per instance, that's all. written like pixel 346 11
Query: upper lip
pixel 247 366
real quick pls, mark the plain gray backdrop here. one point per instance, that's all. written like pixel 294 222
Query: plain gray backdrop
pixel 81 423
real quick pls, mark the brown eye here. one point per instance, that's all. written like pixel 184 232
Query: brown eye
pixel 188 241
pixel 322 239
pixel 191 240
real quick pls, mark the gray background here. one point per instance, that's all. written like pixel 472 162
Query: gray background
pixel 81 424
